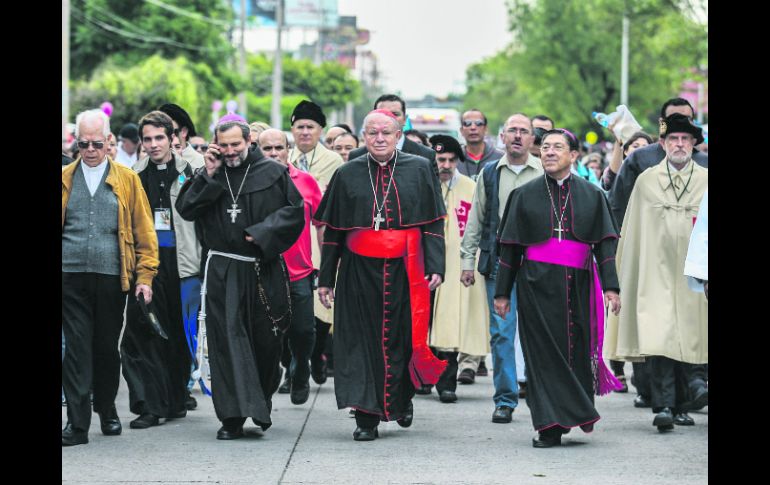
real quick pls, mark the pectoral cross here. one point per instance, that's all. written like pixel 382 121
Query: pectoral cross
pixel 234 212
pixel 275 330
pixel 377 221
pixel 559 230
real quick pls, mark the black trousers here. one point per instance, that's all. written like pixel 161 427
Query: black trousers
pixel 448 379
pixel 323 342
pixel 641 378
pixel 92 317
pixel 669 383
pixel 302 332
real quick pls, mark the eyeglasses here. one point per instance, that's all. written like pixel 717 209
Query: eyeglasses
pixel 202 146
pixel 98 145
pixel 468 123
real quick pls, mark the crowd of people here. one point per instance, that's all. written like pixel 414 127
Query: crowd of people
pixel 245 254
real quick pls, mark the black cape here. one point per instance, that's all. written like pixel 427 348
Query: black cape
pixel 372 312
pixel 244 344
pixel 553 300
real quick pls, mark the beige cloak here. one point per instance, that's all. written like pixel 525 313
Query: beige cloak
pixel 460 314
pixel 659 314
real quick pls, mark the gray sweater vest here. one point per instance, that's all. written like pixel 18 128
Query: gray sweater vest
pixel 90 234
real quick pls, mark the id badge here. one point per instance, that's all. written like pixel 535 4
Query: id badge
pixel 163 219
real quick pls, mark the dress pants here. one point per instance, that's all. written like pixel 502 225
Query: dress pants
pixel 92 318
pixel 468 361
pixel 448 379
pixel 301 333
pixel 668 379
pixel 641 378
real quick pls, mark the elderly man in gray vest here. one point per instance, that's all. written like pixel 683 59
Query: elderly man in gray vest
pixel 108 244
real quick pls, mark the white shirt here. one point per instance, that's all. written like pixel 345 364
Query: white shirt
pixel 93 175
pixel 125 158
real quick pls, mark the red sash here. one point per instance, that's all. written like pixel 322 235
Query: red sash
pixel 424 367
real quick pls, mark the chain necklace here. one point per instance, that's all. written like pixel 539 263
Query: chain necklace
pixel 379 207
pixel 234 210
pixel 668 169
pixel 553 206
pixel 263 295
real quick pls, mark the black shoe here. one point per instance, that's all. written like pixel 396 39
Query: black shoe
pixel 502 414
pixel 366 434
pixel 664 420
pixel 318 369
pixel 683 419
pixel 547 438
pixel 424 389
pixel 286 386
pixel 232 429
pixel 179 414
pixel 110 422
pixel 522 390
pixel 622 380
pixel 71 436
pixel 190 403
pixel 467 376
pixel 482 371
pixel 299 392
pixel 144 421
pixel 700 400
pixel 407 419
pixel 641 402
pixel 447 396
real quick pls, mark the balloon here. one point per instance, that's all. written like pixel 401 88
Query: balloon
pixel 216 105
pixel 107 108
pixel 231 106
pixel 592 137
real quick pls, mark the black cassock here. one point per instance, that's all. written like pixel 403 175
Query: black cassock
pixel 244 344
pixel 372 312
pixel 157 370
pixel 553 300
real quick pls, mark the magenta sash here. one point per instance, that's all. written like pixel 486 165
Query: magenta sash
pixel 578 255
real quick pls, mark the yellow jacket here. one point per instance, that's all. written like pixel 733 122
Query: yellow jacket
pixel 137 240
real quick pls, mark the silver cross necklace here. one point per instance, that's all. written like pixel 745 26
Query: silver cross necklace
pixel 234 210
pixel 560 219
pixel 378 219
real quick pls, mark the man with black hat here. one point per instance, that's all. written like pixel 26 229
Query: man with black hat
pixel 157 369
pixel 128 148
pixel 493 188
pixel 184 129
pixel 460 314
pixel 662 320
pixel 247 212
pixel 384 221
pixel 557 241
pixel 308 153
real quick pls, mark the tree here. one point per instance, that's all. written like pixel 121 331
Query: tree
pixel 128 32
pixel 565 60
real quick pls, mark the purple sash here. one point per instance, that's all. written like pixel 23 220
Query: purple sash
pixel 578 255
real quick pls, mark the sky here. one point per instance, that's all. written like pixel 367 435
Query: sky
pixel 424 46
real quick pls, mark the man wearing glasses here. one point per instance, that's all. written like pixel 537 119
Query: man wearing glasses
pixel 477 151
pixel 557 242
pixel 493 187
pixel 108 245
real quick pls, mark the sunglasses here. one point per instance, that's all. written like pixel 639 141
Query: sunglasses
pixel 199 145
pixel 468 123
pixel 98 145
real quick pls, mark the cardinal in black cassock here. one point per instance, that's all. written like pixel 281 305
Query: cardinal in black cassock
pixel 245 311
pixel 384 230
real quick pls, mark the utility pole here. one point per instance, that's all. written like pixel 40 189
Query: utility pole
pixel 242 63
pixel 624 62
pixel 275 107
pixel 65 66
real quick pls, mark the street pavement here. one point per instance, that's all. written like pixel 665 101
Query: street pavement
pixel 447 444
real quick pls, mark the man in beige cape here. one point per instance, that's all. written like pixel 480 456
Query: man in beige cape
pixel 662 321
pixel 460 315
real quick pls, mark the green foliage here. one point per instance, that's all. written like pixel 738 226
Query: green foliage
pixel 565 61
pixel 135 91
pixel 128 32
pixel 260 107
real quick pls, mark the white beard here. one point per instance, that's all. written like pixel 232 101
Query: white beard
pixel 680 160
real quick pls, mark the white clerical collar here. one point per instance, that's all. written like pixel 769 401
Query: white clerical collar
pixel 560 182
pixel 400 144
